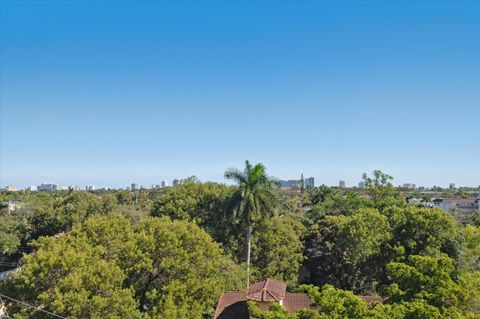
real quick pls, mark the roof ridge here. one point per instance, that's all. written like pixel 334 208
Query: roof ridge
pixel 274 296
pixel 266 283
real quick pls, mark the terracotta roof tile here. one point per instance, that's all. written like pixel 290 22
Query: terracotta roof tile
pixel 267 290
pixel 296 301
pixel 232 305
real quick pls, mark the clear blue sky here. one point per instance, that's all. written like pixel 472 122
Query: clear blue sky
pixel 113 92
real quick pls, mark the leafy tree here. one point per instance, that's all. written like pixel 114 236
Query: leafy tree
pixel 339 248
pixel 192 200
pixel 469 258
pixel 68 276
pixel 337 204
pixel 124 198
pixel 76 208
pixel 185 269
pixel 278 249
pixel 474 219
pixel 319 194
pixel 254 199
pixel 420 231
pixel 379 186
pixel 9 238
pixel 108 267
pixel 433 280
pixel 204 203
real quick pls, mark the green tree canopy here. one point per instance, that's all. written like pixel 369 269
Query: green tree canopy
pixel 278 248
pixel 111 268
pixel 339 248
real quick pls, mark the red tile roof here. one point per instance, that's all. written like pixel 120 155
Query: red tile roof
pixel 267 290
pixel 233 304
pixel 296 301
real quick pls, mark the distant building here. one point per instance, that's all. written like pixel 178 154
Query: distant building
pixel 31 188
pixel 90 187
pixel 11 188
pixel 47 187
pixel 291 183
pixel 309 182
pixel 134 187
pixel 341 184
pixel 464 206
pixel 409 185
pixel 361 184
pixel 164 183
pixel 452 186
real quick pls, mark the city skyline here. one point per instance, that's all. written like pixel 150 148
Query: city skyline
pixel 329 89
pixel 168 182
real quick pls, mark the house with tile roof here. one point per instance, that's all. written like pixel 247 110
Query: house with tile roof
pixel 233 304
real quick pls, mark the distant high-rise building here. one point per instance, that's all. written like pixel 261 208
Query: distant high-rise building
pixel 134 187
pixel 341 184
pixel 291 183
pixel 47 187
pixel 164 183
pixel 31 188
pixel 452 186
pixel 361 184
pixel 409 185
pixel 309 182
pixel 90 187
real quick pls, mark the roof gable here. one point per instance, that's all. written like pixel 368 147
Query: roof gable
pixel 267 290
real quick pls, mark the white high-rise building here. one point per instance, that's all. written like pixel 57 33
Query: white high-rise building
pixel 164 183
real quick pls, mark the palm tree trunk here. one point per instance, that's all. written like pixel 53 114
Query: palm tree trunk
pixel 249 248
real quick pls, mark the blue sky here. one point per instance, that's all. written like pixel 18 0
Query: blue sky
pixel 113 92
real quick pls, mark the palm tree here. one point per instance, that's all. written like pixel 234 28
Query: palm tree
pixel 254 199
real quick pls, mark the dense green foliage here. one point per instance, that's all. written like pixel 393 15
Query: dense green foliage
pixel 111 268
pixel 170 253
pixel 278 249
